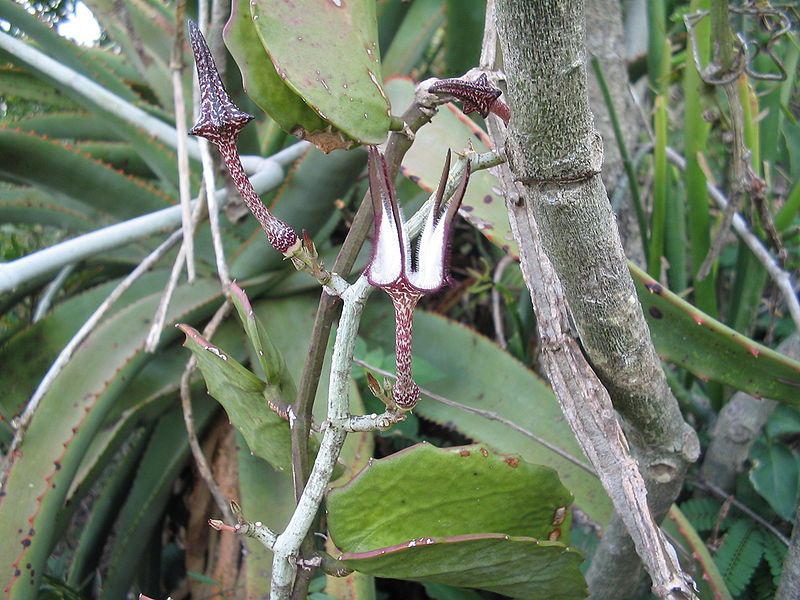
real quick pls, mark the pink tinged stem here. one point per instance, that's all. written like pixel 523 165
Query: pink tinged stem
pixel 405 392
pixel 280 235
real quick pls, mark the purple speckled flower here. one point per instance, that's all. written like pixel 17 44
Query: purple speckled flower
pixel 392 269
pixel 220 122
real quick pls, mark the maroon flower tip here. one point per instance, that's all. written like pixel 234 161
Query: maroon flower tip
pixel 220 119
pixel 476 96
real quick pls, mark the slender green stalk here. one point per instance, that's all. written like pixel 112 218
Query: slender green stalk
pixel 658 220
pixel 630 170
pixel 657 44
pixel 724 51
pixel 750 274
pixel 675 234
pixel 695 135
pixel 789 209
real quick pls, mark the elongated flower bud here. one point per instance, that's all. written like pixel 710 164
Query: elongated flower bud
pixel 220 122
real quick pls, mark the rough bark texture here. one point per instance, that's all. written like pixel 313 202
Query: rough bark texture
pixel 789 588
pixel 605 40
pixel 739 423
pixel 555 152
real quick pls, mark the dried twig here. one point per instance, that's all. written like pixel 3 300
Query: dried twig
pixel 22 422
pixel 184 186
pixel 497 306
pixel 222 502
pixel 781 278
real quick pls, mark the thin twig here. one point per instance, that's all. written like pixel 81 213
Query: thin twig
pixel 50 292
pixel 222 502
pixel 22 422
pixel 206 159
pixel 723 495
pixel 160 317
pixel 497 307
pixel 781 278
pixel 489 416
pixel 184 184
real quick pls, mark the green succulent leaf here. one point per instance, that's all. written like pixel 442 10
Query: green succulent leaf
pixel 241 393
pixel 467 364
pixel 461 516
pixel 329 57
pixel 260 79
pixel 776 475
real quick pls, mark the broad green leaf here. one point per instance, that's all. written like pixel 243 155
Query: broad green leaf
pixel 120 155
pixel 66 421
pixel 518 567
pixel 775 475
pixel 163 460
pixel 783 421
pixel 685 336
pixel 413 38
pixel 458 516
pixel 63 171
pixel 425 491
pixel 260 79
pixel 329 56
pixel 469 366
pixel 241 393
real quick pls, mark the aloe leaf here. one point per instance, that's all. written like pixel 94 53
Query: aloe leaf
pixel 23 204
pixel 241 393
pixel 458 516
pixel 466 367
pixel 260 79
pixel 685 336
pixel 19 84
pixel 64 171
pixel 28 354
pixel 68 53
pixel 119 155
pixel 483 205
pixel 306 200
pixel 164 458
pixel 341 78
pixel 463 34
pixel 67 419
pixel 145 36
pixel 101 517
pixel 413 37
pixel 71 124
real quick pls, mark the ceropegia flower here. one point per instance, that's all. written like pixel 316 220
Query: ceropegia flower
pixel 392 268
pixel 220 122
pixel 476 96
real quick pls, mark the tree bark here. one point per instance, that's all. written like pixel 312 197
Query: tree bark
pixel 606 41
pixel 556 154
pixel 739 423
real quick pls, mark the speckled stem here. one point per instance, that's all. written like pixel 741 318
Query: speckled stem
pixel 406 392
pixel 280 235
